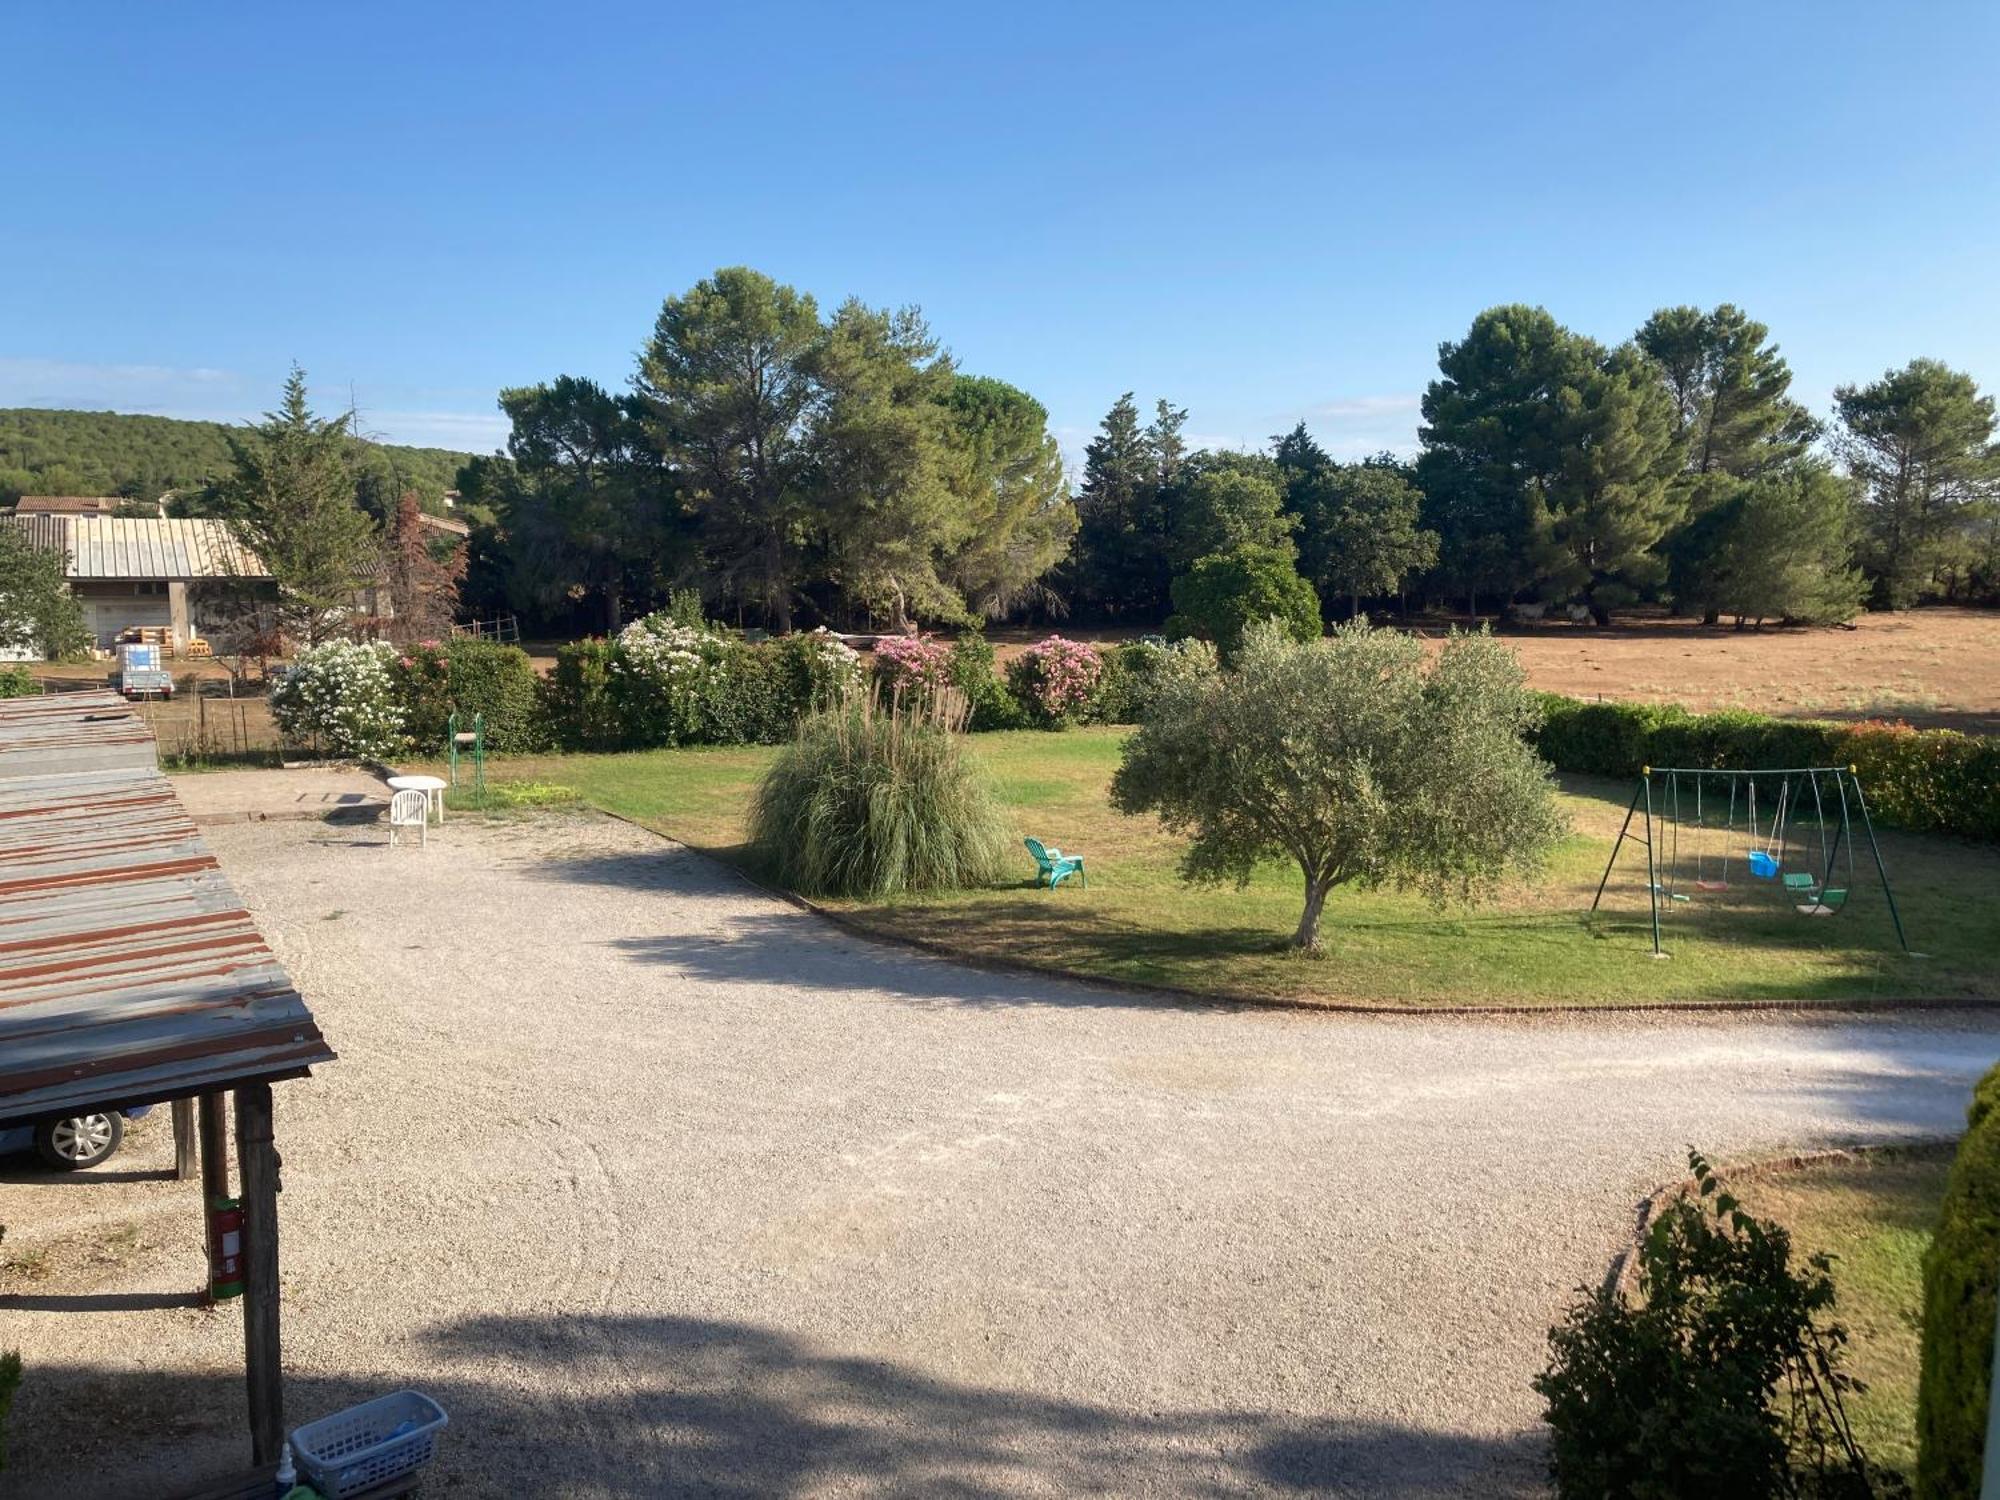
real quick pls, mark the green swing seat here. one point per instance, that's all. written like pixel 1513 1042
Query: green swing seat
pixel 1053 867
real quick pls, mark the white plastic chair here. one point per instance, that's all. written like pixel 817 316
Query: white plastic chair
pixel 411 809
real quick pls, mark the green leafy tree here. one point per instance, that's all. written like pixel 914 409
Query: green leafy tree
pixel 37 610
pixel 1548 462
pixel 1221 501
pixel 1921 442
pixel 1017 519
pixel 581 500
pixel 291 501
pixel 1224 594
pixel 1351 758
pixel 728 392
pixel 1733 412
pixel 1783 548
pixel 1120 562
pixel 1360 528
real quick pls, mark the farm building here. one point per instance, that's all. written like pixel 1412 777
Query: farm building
pixel 157 573
pixel 67 505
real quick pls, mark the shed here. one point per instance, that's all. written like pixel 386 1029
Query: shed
pixel 131 974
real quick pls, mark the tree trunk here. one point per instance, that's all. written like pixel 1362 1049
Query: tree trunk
pixel 1307 937
pixel 1711 617
pixel 1353 606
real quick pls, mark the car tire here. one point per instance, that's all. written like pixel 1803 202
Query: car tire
pixel 80 1141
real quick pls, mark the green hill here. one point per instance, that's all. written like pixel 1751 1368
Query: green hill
pixel 110 453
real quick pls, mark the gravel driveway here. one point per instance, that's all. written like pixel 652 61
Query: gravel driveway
pixel 662 1186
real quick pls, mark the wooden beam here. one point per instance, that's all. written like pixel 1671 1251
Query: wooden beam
pixel 214 1172
pixel 184 1161
pixel 257 1158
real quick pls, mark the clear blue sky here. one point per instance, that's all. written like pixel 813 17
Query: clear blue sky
pixel 1264 212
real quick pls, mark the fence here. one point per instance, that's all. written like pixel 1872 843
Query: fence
pixel 506 629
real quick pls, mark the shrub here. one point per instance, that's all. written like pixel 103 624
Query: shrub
pixel 1722 1379
pixel 1927 781
pixel 664 681
pixel 989 702
pixel 338 698
pixel 912 666
pixel 1961 1269
pixel 822 669
pixel 17 681
pixel 577 702
pixel 1132 676
pixel 684 609
pixel 753 702
pixel 1054 680
pixel 469 678
pixel 871 800
pixel 1223 594
pixel 10 1382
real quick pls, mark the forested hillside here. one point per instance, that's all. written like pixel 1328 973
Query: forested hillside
pixel 109 453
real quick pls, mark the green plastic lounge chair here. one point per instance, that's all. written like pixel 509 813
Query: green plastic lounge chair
pixel 1054 866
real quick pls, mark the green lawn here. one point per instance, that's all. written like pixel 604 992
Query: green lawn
pixel 1875 1215
pixel 1139 923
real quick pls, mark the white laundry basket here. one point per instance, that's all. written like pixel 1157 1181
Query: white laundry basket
pixel 378 1440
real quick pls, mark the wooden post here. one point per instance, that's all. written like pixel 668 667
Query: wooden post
pixel 214 1171
pixel 257 1158
pixel 184 1165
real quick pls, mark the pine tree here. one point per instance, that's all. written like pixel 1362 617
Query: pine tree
pixel 292 503
pixel 1121 567
pixel 1783 548
pixel 1921 442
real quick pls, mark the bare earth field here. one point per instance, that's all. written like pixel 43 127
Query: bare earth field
pixel 663 1186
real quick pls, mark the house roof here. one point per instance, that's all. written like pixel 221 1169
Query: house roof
pixel 130 972
pixel 68 505
pixel 143 547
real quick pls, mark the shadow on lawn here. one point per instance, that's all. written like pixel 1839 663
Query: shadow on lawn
pixel 649 1405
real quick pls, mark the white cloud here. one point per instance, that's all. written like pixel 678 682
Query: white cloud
pixel 466 431
pixel 1355 426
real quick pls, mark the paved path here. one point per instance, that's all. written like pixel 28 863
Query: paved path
pixel 665 1187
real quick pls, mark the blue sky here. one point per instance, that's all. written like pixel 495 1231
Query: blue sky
pixel 1267 213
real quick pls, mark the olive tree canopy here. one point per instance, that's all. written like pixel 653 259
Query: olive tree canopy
pixel 1352 757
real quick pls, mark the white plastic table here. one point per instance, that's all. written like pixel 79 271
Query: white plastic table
pixel 431 784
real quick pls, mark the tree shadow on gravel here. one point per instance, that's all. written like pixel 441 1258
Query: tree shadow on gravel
pixel 610 1406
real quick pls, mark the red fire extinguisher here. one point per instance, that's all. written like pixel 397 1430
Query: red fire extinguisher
pixel 225 1248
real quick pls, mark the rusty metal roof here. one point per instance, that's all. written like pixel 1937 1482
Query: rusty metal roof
pixel 142 547
pixel 68 505
pixel 129 971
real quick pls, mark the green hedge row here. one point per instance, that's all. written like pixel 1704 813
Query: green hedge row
pixel 1927 781
pixel 1961 1270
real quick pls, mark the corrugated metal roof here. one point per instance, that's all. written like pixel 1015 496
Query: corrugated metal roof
pixel 142 547
pixel 129 971
pixel 71 505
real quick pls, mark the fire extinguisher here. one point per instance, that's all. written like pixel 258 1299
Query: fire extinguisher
pixel 225 1248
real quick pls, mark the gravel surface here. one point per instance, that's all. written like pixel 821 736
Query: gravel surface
pixel 662 1186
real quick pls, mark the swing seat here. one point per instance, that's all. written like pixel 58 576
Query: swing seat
pixel 1670 895
pixel 1711 885
pixel 1801 882
pixel 1762 865
pixel 1830 901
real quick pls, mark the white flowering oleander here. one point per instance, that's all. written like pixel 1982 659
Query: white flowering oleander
pixel 339 697
pixel 666 673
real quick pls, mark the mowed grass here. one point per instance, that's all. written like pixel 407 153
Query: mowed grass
pixel 1875 1215
pixel 1137 922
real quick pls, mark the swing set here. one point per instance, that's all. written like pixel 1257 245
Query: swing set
pixel 1792 830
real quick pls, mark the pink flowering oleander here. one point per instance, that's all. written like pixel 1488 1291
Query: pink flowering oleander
pixel 914 661
pixel 1062 675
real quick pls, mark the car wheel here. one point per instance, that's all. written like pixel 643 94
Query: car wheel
pixel 79 1141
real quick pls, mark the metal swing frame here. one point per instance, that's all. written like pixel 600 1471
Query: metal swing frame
pixel 1668 807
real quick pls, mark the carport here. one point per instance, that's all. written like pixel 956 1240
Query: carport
pixel 130 974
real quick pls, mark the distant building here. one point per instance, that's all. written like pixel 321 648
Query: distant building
pixel 67 505
pixel 131 573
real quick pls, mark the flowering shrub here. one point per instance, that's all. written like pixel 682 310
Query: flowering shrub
pixel 913 665
pixel 667 680
pixel 824 668
pixel 1054 680
pixel 339 698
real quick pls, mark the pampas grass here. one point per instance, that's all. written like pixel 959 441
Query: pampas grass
pixel 880 799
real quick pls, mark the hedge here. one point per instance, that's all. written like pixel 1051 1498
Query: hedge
pixel 1961 1270
pixel 1926 781
pixel 431 682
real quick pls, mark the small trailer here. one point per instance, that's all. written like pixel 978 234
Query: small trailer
pixel 139 673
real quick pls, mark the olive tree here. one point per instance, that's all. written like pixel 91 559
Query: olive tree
pixel 1354 758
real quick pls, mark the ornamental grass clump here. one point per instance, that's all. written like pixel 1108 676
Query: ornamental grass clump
pixel 880 800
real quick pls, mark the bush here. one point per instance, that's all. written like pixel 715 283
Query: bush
pixel 10 1382
pixel 914 667
pixel 989 702
pixel 1133 673
pixel 1055 680
pixel 17 681
pixel 338 698
pixel 469 678
pixel 577 702
pixel 1961 1269
pixel 665 681
pixel 820 668
pixel 1927 781
pixel 1723 1378
pixel 1223 594
pixel 875 801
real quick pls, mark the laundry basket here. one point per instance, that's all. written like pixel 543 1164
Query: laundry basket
pixel 378 1440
